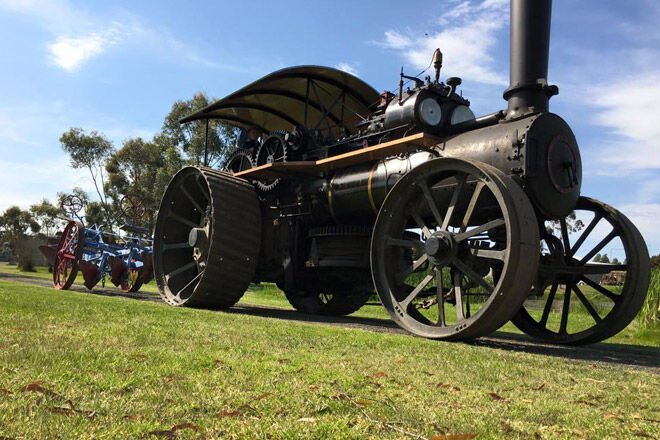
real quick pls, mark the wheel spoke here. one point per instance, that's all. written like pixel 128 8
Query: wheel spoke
pixel 400 242
pixel 427 279
pixel 421 225
pixel 564 235
pixel 479 229
pixel 202 189
pixel 440 297
pixel 454 199
pixel 584 235
pixel 178 294
pixel 413 267
pixel 603 268
pixel 608 293
pixel 472 205
pixel 599 246
pixel 587 304
pixel 471 274
pixel 180 270
pixel 182 220
pixel 182 245
pixel 431 202
pixel 491 254
pixel 458 294
pixel 565 309
pixel 548 305
pixel 192 199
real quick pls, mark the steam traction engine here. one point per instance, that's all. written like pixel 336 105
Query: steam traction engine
pixel 458 223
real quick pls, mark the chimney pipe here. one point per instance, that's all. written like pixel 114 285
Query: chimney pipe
pixel 528 90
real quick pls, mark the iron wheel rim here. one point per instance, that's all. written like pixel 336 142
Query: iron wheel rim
pixel 185 263
pixel 403 207
pixel 69 253
pixel 624 305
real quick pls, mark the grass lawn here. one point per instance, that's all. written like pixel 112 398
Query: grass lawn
pixel 269 295
pixel 110 367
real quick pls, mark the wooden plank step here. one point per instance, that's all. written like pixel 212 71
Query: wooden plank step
pixel 368 154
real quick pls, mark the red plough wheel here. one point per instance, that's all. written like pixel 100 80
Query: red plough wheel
pixel 69 253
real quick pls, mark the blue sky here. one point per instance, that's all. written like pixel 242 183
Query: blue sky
pixel 117 67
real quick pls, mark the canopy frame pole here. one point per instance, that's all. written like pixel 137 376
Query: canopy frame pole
pixel 306 101
pixel 206 144
pixel 327 112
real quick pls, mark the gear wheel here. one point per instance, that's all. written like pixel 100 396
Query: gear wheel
pixel 273 149
pixel 239 160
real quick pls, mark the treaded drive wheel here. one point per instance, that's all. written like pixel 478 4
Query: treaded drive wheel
pixel 207 238
pixel 474 262
pixel 327 304
pixel 579 304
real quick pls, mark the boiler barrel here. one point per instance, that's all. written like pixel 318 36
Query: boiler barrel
pixel 539 151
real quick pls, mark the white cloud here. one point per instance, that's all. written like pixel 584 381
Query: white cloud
pixel 467 35
pixel 629 109
pixel 70 52
pixel 645 217
pixel 78 36
pixel 347 68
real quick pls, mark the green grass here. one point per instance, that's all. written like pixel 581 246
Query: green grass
pixel 133 367
pixel 649 316
pixel 266 294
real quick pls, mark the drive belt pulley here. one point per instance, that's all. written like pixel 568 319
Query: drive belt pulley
pixel 207 239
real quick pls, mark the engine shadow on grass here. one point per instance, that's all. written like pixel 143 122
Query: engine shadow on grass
pixel 647 358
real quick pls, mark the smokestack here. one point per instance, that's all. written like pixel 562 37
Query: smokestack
pixel 528 90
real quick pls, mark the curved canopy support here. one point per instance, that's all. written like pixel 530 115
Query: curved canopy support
pixel 311 96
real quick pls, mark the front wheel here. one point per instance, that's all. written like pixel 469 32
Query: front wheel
pixel 576 300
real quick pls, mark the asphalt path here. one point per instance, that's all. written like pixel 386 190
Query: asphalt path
pixel 604 354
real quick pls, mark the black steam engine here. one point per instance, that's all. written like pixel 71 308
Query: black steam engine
pixel 458 223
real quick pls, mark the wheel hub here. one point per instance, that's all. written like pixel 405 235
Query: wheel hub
pixel 440 247
pixel 198 239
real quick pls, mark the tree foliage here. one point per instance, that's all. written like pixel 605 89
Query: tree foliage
pixel 141 168
pixel 47 215
pixel 189 138
pixel 90 151
pixel 15 224
pixel 655 262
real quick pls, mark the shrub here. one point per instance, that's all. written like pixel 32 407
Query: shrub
pixel 649 316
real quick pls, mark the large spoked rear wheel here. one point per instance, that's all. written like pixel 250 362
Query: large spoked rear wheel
pixel 475 258
pixel 69 254
pixel 207 238
pixel 575 300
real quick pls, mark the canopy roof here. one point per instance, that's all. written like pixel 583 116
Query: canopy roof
pixel 310 96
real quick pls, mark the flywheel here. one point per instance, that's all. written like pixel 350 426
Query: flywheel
pixel 207 238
